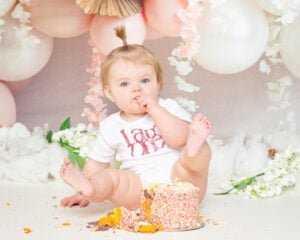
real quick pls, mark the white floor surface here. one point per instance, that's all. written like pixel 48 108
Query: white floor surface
pixel 37 207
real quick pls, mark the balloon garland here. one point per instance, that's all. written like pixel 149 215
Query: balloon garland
pixel 31 24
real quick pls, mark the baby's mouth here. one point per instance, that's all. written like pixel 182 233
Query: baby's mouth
pixel 136 99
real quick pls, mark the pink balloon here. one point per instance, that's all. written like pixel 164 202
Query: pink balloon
pixel 60 19
pixel 103 33
pixel 7 106
pixel 17 86
pixel 152 34
pixel 161 15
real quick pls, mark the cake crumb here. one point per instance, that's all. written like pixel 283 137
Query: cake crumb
pixel 214 221
pixel 66 224
pixel 27 230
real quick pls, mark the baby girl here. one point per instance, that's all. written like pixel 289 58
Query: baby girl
pixel 154 139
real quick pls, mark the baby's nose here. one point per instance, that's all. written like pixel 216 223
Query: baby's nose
pixel 137 87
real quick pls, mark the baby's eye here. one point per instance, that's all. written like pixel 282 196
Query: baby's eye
pixel 124 84
pixel 145 80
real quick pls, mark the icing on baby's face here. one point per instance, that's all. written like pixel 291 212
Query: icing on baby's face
pixel 127 81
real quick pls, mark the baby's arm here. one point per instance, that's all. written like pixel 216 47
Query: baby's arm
pixel 90 168
pixel 173 129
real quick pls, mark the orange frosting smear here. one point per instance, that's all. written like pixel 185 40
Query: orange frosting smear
pixel 151 228
pixel 112 219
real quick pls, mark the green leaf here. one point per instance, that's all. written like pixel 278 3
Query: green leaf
pixel 65 124
pixel 76 159
pixel 49 136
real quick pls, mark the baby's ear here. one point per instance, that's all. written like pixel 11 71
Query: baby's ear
pixel 107 93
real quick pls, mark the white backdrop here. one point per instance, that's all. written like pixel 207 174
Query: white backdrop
pixel 234 103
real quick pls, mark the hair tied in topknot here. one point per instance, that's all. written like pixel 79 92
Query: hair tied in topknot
pixel 121 33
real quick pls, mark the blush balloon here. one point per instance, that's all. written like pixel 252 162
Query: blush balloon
pixel 103 31
pixel 162 15
pixel 60 19
pixel 152 34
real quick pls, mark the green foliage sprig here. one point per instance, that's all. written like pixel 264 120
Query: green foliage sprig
pixel 73 152
pixel 241 185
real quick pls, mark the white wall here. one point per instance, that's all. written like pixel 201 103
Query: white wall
pixel 234 102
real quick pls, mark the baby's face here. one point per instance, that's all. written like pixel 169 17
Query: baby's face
pixel 127 81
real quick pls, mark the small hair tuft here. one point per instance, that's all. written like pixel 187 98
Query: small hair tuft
pixel 121 33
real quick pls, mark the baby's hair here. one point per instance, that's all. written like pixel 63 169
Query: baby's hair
pixel 121 33
pixel 129 52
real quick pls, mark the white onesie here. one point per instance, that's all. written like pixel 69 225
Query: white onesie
pixel 138 145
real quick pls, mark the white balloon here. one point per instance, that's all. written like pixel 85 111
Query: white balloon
pixel 283 5
pixel 290 45
pixel 5 6
pixel 233 36
pixel 17 61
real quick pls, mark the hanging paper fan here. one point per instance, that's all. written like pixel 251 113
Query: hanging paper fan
pixel 120 8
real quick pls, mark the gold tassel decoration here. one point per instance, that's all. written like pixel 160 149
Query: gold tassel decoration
pixel 120 8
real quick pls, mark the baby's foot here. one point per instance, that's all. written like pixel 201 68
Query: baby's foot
pixel 198 132
pixel 75 178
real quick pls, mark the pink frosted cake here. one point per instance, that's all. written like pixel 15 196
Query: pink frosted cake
pixel 164 207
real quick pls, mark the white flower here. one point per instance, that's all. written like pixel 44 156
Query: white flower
pixel 278 175
pixel 285 81
pixel 272 50
pixel 22 32
pixel 20 14
pixel 80 137
pixel 184 86
pixel 284 104
pixel 182 67
pixel 81 127
pixel 189 105
pixel 264 67
pixel 288 17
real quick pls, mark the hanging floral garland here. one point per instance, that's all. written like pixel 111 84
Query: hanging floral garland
pixel 182 56
pixel 97 111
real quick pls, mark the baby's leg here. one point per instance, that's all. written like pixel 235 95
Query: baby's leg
pixel 122 187
pixel 193 164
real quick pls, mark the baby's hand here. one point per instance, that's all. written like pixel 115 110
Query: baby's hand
pixel 74 200
pixel 148 102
